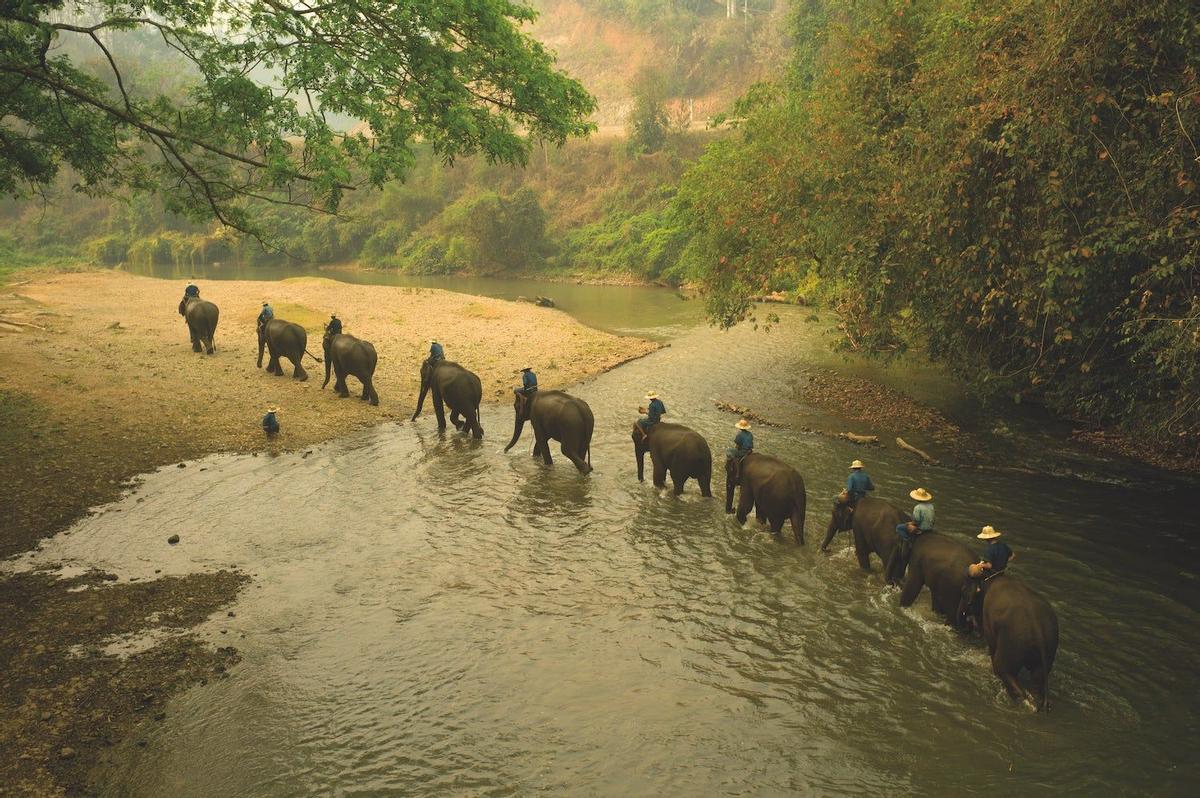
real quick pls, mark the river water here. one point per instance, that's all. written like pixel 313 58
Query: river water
pixel 430 616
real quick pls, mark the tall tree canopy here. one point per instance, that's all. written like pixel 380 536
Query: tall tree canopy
pixel 248 118
pixel 1010 184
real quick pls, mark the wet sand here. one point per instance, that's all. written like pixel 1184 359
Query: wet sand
pixel 100 384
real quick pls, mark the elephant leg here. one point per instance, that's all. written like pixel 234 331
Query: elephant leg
pixel 1009 680
pixel 797 520
pixel 862 554
pixel 273 366
pixel 678 479
pixel 299 373
pixel 195 339
pixel 913 583
pixel 705 486
pixel 776 525
pixel 439 409
pixel 745 504
pixel 660 474
pixel 210 346
pixel 760 515
pixel 366 389
pixel 457 420
pixel 370 387
pixel 339 386
pixel 1040 680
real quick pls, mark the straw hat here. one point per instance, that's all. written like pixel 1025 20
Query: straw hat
pixel 651 394
pixel 272 409
pixel 333 315
pixel 264 304
pixel 526 368
pixel 743 424
pixel 856 464
pixel 921 495
pixel 432 341
pixel 988 533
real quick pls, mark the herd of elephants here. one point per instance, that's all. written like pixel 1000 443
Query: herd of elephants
pixel 1019 626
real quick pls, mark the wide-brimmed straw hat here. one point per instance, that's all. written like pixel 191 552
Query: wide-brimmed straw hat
pixel 856 464
pixel 743 424
pixel 988 533
pixel 651 394
pixel 921 495
pixel 265 304
pixel 333 315
pixel 432 341
pixel 272 409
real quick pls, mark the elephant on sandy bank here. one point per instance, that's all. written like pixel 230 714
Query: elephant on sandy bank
pixel 675 449
pixel 348 356
pixel 1021 630
pixel 873 525
pixel 771 487
pixel 201 317
pixel 556 415
pixel 284 339
pixel 456 387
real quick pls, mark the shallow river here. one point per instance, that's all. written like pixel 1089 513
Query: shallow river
pixel 431 616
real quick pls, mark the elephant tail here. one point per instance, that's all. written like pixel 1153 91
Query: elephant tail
pixel 314 357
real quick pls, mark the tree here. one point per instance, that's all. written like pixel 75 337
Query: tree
pixel 263 78
pixel 648 120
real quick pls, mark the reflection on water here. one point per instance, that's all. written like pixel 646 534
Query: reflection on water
pixel 655 313
pixel 432 616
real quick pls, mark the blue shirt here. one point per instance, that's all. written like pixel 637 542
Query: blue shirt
pixel 436 352
pixel 744 441
pixel 528 380
pixel 334 327
pixel 998 554
pixel 655 410
pixel 266 314
pixel 192 290
pixel 270 423
pixel 858 483
pixel 902 532
pixel 923 515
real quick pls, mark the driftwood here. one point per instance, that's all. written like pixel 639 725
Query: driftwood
pixel 909 448
pixel 865 440
pixel 16 323
pixel 744 412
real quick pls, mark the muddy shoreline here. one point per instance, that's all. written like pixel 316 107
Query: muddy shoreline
pixel 102 386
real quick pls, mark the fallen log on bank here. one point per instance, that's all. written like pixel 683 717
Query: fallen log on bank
pixel 744 412
pixel 910 448
pixel 862 440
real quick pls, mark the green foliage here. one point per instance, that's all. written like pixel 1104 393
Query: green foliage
pixel 648 121
pixel 245 112
pixel 1010 184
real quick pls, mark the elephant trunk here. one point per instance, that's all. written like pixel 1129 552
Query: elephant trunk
pixel 830 532
pixel 262 342
pixel 328 364
pixel 421 397
pixel 518 427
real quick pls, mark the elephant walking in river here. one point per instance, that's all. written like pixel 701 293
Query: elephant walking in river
pixel 284 339
pixel 201 317
pixel 452 385
pixel 941 563
pixel 556 415
pixel 771 487
pixel 348 356
pixel 873 525
pixel 1021 630
pixel 675 449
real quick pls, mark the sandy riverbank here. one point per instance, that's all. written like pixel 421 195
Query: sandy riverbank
pixel 100 384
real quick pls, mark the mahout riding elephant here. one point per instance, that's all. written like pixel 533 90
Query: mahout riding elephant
pixel 941 563
pixel 873 525
pixel 348 356
pixel 1021 630
pixel 771 487
pixel 456 387
pixel 556 415
pixel 284 339
pixel 674 449
pixel 201 317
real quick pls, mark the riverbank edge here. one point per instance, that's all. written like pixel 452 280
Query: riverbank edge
pixel 64 700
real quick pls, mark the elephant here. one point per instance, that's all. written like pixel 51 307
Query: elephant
pixel 941 563
pixel 455 386
pixel 284 339
pixel 676 449
pixel 1021 630
pixel 351 357
pixel 772 487
pixel 556 415
pixel 873 525
pixel 201 317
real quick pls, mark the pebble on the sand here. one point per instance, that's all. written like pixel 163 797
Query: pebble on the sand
pixel 173 539
pixel 66 753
